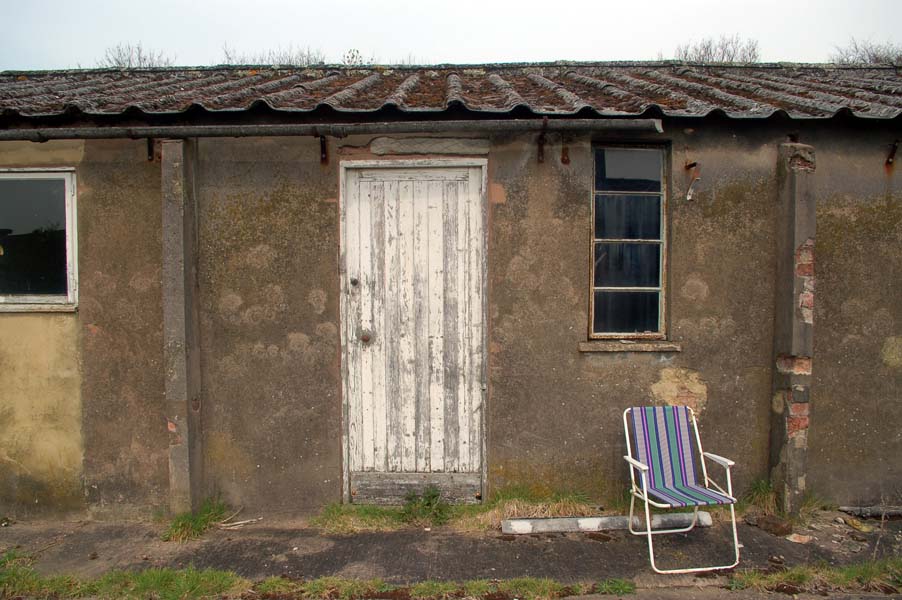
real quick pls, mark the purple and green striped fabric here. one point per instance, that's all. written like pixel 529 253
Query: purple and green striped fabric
pixel 663 439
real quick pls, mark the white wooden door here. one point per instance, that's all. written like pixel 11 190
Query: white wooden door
pixel 413 349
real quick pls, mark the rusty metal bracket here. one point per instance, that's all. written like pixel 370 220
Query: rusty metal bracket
pixel 695 174
pixel 892 154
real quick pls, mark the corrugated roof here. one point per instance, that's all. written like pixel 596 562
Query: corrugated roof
pixel 552 89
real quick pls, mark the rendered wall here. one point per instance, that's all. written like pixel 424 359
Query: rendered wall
pixel 268 274
pixel 83 419
pixel 555 411
pixel 856 413
pixel 41 442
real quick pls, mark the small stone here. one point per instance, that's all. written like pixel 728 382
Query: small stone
pixel 856 524
pixel 93 556
pixel 775 525
pixel 840 520
pixel 798 539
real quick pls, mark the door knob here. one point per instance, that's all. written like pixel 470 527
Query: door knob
pixel 354 281
pixel 365 337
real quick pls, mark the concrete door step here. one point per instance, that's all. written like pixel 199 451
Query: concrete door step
pixel 576 524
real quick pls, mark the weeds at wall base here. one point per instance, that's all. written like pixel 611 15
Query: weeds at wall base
pixel 191 525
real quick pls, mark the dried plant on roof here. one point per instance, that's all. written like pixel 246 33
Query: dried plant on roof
pixel 725 49
pixel 133 56
pixel 291 56
pixel 866 52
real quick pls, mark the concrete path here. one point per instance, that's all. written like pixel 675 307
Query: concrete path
pixel 90 548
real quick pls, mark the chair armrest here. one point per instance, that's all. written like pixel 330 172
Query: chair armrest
pixel 725 462
pixel 635 463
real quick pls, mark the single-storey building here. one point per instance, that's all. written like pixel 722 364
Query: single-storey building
pixel 296 286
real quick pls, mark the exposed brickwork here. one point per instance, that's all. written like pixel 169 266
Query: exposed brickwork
pixel 794 425
pixel 804 268
pixel 796 365
pixel 799 409
pixel 801 163
pixel 806 300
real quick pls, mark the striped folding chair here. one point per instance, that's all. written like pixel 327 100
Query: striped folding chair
pixel 664 450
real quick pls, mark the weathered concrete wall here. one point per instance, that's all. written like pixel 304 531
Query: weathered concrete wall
pixel 268 275
pixel 40 417
pixel 82 392
pixel 120 318
pixel 856 411
pixel 554 413
pixel 41 444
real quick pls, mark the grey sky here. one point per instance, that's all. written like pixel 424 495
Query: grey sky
pixel 44 34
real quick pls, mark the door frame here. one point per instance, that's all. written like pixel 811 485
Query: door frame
pixel 413 163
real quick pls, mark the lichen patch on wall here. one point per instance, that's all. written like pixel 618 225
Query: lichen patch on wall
pixel 694 288
pixel 681 387
pixel 891 353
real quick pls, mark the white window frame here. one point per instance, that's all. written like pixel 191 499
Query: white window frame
pixel 50 302
pixel 661 288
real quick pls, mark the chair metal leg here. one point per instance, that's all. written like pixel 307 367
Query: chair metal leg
pixel 649 534
pixel 660 531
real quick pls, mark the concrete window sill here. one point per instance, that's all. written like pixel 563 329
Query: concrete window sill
pixel 38 308
pixel 629 346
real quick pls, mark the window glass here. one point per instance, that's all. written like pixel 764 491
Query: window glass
pixel 628 170
pixel 628 217
pixel 627 265
pixel 626 312
pixel 33 236
pixel 628 243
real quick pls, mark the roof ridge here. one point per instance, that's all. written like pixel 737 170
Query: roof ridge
pixel 468 66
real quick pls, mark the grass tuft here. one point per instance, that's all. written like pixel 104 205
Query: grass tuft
pixel 615 587
pixel 760 495
pixel 425 510
pixel 429 509
pixel 353 518
pixel 434 589
pixel 516 502
pixel 19 579
pixel 191 525
pixel 277 586
pixel 874 576
pixel 342 589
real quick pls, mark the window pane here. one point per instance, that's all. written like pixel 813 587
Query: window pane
pixel 626 312
pixel 627 265
pixel 628 217
pixel 32 236
pixel 628 170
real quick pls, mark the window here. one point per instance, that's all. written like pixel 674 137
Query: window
pixel 628 242
pixel 37 240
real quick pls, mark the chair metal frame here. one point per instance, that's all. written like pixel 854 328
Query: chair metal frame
pixel 642 494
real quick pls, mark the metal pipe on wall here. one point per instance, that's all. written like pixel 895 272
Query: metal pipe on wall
pixel 339 130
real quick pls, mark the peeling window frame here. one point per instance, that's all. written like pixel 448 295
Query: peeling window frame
pixel 67 302
pixel 661 289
